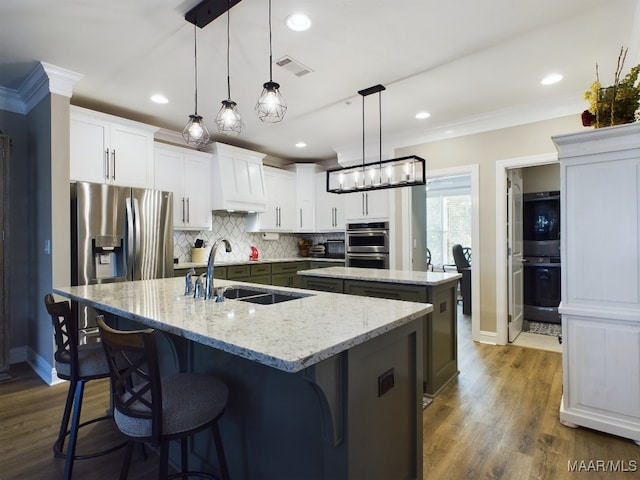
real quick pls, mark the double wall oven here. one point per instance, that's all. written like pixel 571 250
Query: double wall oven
pixel 367 245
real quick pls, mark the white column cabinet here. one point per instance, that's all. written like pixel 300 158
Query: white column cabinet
pixel 305 214
pixel 600 307
pixel 372 205
pixel 185 172
pixel 108 149
pixel 280 187
pixel 330 207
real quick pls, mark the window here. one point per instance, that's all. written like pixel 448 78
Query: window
pixel 448 216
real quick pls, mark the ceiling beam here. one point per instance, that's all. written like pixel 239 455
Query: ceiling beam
pixel 208 10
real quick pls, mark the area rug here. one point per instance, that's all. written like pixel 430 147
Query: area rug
pixel 543 328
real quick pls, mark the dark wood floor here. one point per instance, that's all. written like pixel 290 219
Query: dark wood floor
pixel 497 420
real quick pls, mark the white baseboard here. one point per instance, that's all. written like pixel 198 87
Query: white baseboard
pixel 488 337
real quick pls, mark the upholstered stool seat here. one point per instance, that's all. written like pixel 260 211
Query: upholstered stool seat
pixel 156 409
pixel 78 364
pixel 183 408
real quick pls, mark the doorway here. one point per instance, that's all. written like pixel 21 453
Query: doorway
pixel 509 271
pixel 472 173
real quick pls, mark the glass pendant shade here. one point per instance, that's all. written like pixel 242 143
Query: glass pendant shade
pixel 228 120
pixel 195 132
pixel 271 107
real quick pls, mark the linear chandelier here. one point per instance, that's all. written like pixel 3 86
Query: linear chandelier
pixel 398 172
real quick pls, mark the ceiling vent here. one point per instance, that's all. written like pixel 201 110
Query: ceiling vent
pixel 293 66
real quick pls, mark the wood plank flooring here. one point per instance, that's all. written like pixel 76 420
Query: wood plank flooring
pixel 497 420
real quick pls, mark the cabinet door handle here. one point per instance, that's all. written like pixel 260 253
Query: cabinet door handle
pixel 300 218
pixel 182 209
pixel 363 204
pixel 113 154
pixel 105 166
pixel 367 203
pixel 188 211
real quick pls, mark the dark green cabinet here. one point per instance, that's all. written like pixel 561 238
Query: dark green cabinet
pixel 285 274
pixel 440 332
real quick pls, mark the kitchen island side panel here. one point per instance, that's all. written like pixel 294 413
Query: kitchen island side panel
pixel 328 421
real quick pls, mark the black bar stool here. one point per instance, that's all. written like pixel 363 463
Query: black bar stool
pixel 78 364
pixel 155 409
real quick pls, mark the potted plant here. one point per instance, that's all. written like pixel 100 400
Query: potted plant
pixel 615 104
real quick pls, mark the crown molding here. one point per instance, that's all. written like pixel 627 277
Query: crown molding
pixel 11 101
pixel 44 79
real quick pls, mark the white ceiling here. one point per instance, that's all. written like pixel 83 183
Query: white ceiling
pixel 474 65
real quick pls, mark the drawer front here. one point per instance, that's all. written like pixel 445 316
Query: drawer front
pixel 332 285
pixel 181 272
pixel 287 267
pixel 262 279
pixel 261 269
pixel 392 291
pixel 218 272
pixel 238 271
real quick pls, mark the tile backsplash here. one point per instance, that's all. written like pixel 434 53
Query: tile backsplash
pixel 232 227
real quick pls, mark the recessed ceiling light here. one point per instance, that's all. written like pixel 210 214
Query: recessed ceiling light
pixel 301 144
pixel 159 98
pixel 298 22
pixel 422 115
pixel 551 79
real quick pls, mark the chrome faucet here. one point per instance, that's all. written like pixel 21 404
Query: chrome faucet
pixel 208 281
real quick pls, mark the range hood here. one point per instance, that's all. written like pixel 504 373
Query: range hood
pixel 237 180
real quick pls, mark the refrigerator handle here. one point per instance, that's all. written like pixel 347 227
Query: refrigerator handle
pixel 137 272
pixel 130 239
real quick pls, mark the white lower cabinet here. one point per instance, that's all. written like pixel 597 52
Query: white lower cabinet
pixel 372 205
pixel 185 172
pixel 600 307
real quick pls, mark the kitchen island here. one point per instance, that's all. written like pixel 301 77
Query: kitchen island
pixel 321 385
pixel 437 288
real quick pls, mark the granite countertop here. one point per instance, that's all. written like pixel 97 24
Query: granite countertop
pixel 378 275
pixel 262 260
pixel 289 336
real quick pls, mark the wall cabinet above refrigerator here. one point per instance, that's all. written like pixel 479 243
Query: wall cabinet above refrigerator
pixel 185 172
pixel 110 150
pixel 237 179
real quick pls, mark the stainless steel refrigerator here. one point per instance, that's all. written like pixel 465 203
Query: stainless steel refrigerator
pixel 118 234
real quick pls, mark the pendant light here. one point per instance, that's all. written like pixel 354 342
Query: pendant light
pixel 228 119
pixel 399 172
pixel 195 133
pixel 271 107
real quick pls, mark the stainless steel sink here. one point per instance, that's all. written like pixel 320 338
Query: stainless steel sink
pixel 262 297
pixel 240 292
pixel 271 298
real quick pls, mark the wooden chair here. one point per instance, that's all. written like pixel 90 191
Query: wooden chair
pixel 155 409
pixel 78 364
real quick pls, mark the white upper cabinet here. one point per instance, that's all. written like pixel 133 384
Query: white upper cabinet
pixel 108 149
pixel 330 207
pixel 278 215
pixel 372 205
pixel 185 172
pixel 237 179
pixel 305 214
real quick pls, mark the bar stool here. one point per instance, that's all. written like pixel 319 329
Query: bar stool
pixel 155 409
pixel 78 364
